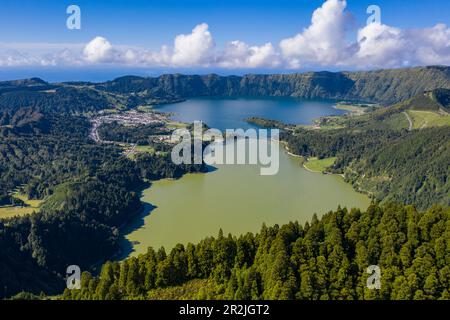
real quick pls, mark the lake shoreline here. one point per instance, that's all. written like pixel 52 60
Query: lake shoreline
pixel 207 203
pixel 286 149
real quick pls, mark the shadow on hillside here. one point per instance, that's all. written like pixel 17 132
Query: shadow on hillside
pixel 126 246
pixel 138 222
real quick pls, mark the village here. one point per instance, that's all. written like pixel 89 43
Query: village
pixel 130 118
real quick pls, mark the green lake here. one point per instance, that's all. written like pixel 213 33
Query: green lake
pixel 235 198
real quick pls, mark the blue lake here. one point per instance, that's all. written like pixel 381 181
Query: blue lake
pixel 228 113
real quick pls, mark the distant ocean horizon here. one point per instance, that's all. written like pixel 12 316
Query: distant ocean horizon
pixel 73 74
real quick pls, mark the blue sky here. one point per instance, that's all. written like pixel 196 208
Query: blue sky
pixel 148 25
pixel 153 23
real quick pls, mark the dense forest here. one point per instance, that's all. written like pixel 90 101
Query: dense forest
pixel 91 190
pixel 78 225
pixel 381 158
pixel 402 166
pixel 324 259
pixel 140 134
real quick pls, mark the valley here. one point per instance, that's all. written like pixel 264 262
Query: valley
pixel 79 155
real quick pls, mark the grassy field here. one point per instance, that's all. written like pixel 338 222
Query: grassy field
pixel 140 149
pixel 316 165
pixel 396 121
pixel 56 200
pixel 143 149
pixel 352 108
pixel 31 203
pixel 145 108
pixel 12 211
pixel 9 212
pixel 426 119
pixel 175 125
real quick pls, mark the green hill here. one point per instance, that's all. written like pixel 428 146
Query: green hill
pixel 91 191
pixel 326 258
pixel 434 100
pixel 427 109
pixel 393 153
pixel 382 86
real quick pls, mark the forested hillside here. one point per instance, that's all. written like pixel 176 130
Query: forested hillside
pixel 408 167
pixel 324 259
pixel 79 225
pixel 59 100
pixel 138 134
pixel 384 156
pixel 90 190
pixel 384 86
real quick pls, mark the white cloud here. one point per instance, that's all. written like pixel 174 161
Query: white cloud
pixel 194 49
pixel 380 44
pixel 238 54
pixel 100 50
pixel 39 54
pixel 326 42
pixel 189 50
pixel 431 45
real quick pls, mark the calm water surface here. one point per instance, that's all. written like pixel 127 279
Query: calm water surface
pixel 231 113
pixel 236 198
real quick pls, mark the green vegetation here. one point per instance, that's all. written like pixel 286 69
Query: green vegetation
pixel 388 118
pixel 393 117
pixel 172 125
pixel 90 190
pixel 141 134
pixel 187 291
pixel 372 150
pixel 319 165
pixel 324 259
pixel 145 149
pixel 20 205
pixel 56 201
pixel 16 211
pixel 145 108
pixel 266 123
pixel 433 100
pixel 374 161
pixel 382 86
pixel 355 109
pixel 24 198
pixel 427 119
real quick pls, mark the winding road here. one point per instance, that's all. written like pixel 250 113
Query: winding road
pixel 409 120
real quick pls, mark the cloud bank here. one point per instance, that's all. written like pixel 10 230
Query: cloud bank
pixel 326 42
